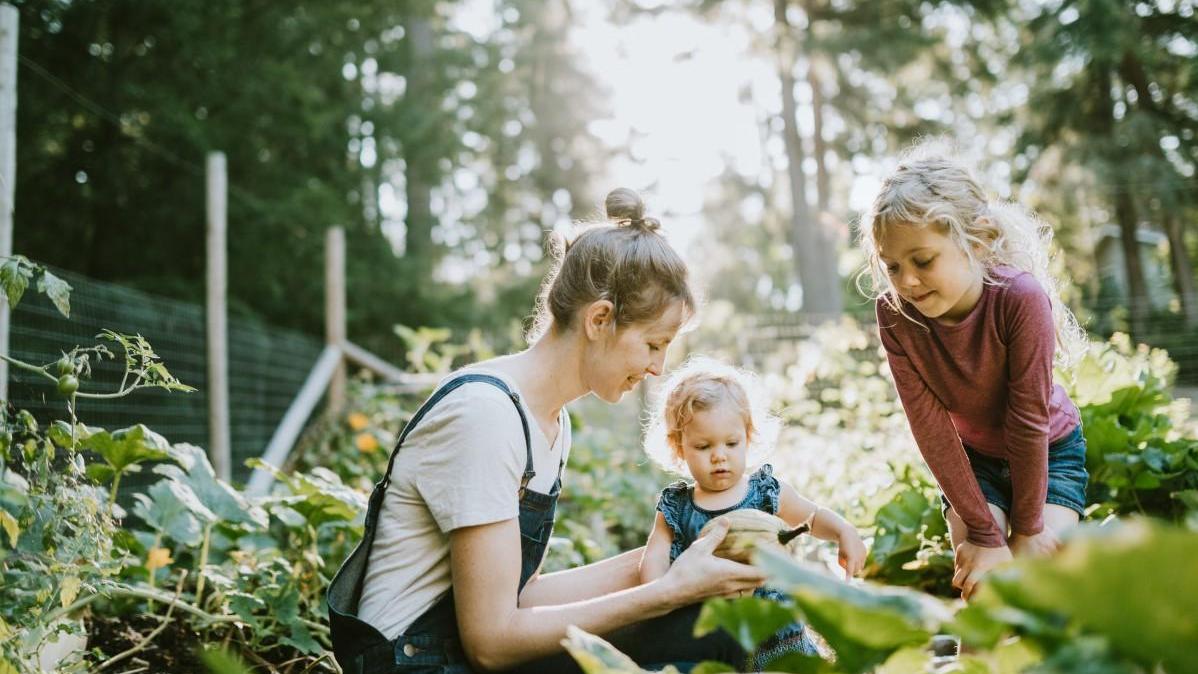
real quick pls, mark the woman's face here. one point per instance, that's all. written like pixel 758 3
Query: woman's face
pixel 617 362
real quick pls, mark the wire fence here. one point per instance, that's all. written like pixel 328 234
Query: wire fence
pixel 267 365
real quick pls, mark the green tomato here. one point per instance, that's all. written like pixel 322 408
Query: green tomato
pixel 67 385
pixel 66 365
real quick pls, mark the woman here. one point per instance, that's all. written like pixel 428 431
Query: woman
pixel 447 576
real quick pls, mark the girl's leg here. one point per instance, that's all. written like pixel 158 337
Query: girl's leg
pixel 957 531
pixel 1059 518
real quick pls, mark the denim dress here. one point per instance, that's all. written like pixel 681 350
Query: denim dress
pixel 686 520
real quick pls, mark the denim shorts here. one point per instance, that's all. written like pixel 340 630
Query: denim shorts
pixel 1067 476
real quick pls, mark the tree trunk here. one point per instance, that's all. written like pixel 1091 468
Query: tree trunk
pixel 821 147
pixel 1183 271
pixel 1137 290
pixel 814 253
pixel 421 168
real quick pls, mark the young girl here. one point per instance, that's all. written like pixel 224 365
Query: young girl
pixel 970 319
pixel 712 424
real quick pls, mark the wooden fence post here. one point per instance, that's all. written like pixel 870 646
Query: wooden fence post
pixel 216 316
pixel 334 311
pixel 9 22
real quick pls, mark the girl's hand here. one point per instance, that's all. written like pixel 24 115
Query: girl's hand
pixel 973 561
pixel 852 553
pixel 698 574
pixel 1036 545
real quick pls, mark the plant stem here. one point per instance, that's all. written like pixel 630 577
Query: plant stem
pixel 148 594
pixel 31 368
pixel 202 561
pixel 157 542
pixel 116 481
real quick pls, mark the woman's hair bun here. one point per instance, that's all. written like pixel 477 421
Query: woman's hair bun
pixel 626 208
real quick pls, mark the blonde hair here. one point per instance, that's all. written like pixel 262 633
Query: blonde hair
pixel 698 385
pixel 623 259
pixel 931 188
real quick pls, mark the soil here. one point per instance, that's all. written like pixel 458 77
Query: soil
pixel 174 650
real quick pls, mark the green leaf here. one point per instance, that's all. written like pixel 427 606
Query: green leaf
pixel 128 446
pixel 320 496
pixel 58 290
pixel 1122 581
pixel 15 280
pixel 978 627
pixel 69 590
pixel 220 661
pixel 245 605
pixel 227 503
pixel 11 527
pixel 864 624
pixel 302 640
pixel 596 656
pixel 910 660
pixel 712 667
pixel 800 664
pixel 749 620
pixel 173 509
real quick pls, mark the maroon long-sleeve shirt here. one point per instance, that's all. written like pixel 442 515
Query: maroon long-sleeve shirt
pixel 986 381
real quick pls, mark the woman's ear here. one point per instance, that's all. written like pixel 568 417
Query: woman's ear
pixel 598 319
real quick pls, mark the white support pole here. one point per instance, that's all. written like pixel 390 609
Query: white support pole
pixel 293 421
pixel 218 337
pixel 410 382
pixel 9 22
pixel 334 311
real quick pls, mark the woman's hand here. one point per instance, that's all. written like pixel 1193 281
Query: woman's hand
pixel 698 574
pixel 1036 545
pixel 973 561
pixel 852 552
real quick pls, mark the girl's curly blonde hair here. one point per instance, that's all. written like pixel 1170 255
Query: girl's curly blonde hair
pixel 698 385
pixel 931 187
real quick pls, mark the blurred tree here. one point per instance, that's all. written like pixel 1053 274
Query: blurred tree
pixel 858 71
pixel 1112 87
pixel 366 116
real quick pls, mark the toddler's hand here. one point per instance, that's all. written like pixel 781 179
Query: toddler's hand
pixel 972 562
pixel 1036 545
pixel 852 553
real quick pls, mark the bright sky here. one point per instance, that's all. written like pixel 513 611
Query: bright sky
pixel 675 84
pixel 686 95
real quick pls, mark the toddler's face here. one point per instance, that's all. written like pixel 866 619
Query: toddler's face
pixel 929 270
pixel 714 446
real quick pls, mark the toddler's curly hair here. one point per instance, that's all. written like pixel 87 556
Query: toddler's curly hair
pixel 698 385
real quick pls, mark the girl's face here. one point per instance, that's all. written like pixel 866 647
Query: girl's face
pixel 715 445
pixel 931 272
pixel 618 362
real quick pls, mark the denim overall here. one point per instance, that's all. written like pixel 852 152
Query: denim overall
pixel 430 644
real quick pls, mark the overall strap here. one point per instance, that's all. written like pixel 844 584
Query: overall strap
pixel 445 390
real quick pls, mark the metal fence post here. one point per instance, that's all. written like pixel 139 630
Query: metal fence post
pixel 334 311
pixel 219 439
pixel 9 23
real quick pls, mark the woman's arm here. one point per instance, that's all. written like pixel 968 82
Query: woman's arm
pixel 498 634
pixel 656 560
pixel 825 525
pixel 592 580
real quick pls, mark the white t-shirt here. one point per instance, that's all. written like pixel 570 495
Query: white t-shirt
pixel 461 466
